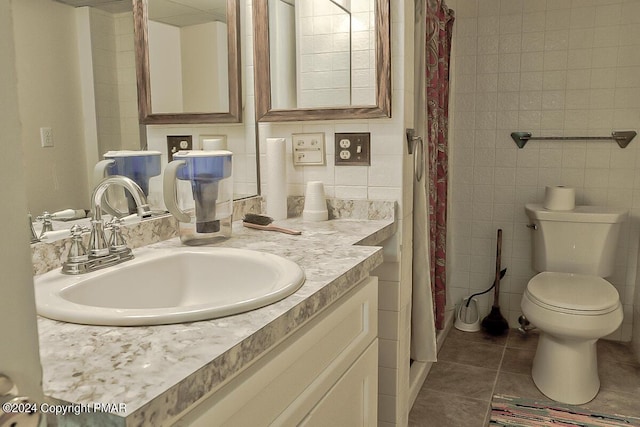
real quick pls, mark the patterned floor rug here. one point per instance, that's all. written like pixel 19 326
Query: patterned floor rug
pixel 518 412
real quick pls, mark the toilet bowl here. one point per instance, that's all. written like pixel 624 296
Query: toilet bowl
pixel 569 300
pixel 572 311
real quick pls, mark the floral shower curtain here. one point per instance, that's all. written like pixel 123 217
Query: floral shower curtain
pixel 438 51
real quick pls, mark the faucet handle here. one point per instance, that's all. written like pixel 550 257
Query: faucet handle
pixel 53 236
pixel 77 251
pixel 116 240
pixel 97 241
pixel 47 225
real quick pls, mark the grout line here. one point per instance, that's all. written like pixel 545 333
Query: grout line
pixel 469 365
pixel 487 416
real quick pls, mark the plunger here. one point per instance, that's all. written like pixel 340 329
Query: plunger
pixel 495 323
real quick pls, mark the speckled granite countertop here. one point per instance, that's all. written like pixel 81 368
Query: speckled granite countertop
pixel 158 371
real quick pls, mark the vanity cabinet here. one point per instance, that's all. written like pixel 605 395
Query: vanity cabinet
pixel 323 373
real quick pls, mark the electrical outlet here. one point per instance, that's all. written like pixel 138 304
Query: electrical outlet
pixel 46 137
pixel 353 149
pixel 177 143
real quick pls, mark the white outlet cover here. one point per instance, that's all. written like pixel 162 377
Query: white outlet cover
pixel 46 137
pixel 308 149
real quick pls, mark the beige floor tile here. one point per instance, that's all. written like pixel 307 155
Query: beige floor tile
pixel 618 352
pixel 479 336
pixel 436 409
pixel 519 385
pixel 472 353
pixel 459 387
pixel 620 377
pixel 615 402
pixel 527 341
pixel 517 360
pixel 461 380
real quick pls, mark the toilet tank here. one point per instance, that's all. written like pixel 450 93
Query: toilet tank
pixel 583 240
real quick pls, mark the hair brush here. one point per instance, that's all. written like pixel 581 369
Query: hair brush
pixel 263 222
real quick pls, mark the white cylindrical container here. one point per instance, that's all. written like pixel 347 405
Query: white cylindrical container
pixel 559 198
pixel 276 174
pixel 315 203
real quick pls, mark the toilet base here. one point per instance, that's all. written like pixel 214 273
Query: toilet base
pixel 566 370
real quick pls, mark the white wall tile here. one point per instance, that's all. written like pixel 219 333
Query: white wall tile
pixel 578 74
pixel 534 22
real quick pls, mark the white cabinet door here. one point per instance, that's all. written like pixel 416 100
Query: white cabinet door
pixel 348 403
pixel 287 382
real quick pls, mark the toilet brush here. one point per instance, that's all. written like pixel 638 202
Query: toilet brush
pixel 495 323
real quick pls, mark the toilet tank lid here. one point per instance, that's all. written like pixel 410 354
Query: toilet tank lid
pixel 573 291
pixel 601 214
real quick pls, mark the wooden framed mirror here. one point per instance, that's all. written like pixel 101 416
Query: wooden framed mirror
pixel 283 24
pixel 202 89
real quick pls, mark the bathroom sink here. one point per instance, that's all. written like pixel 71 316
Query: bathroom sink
pixel 163 286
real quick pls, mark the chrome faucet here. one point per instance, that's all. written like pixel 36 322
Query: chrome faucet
pixel 102 253
pixel 128 184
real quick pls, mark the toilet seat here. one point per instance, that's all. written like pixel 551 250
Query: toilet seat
pixel 576 294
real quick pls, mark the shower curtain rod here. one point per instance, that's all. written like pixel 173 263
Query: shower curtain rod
pixel 623 138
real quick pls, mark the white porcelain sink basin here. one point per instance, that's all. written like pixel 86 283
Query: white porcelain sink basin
pixel 162 286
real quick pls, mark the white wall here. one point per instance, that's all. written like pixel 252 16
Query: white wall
pixel 105 74
pixel 127 82
pixel 323 54
pixel 47 66
pixel 326 53
pixel 189 68
pixel 282 49
pixel 205 84
pixel 115 86
pixel 363 52
pixel 241 137
pixel 550 68
pixel 166 75
pixel 80 81
pixel 19 354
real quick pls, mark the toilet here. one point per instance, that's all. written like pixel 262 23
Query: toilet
pixel 569 300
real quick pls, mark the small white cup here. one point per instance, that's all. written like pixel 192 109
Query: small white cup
pixel 315 204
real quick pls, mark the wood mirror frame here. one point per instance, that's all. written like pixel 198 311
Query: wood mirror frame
pixel 261 58
pixel 145 114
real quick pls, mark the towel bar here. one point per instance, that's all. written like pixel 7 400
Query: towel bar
pixel 623 138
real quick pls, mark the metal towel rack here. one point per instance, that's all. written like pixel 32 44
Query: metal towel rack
pixel 415 143
pixel 623 138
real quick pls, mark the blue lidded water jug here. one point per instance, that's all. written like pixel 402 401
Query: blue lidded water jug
pixel 205 216
pixel 139 166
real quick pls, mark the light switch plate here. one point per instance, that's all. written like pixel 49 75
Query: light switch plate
pixel 46 137
pixel 308 149
pixel 353 149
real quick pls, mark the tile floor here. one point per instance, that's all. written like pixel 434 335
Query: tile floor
pixel 474 366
